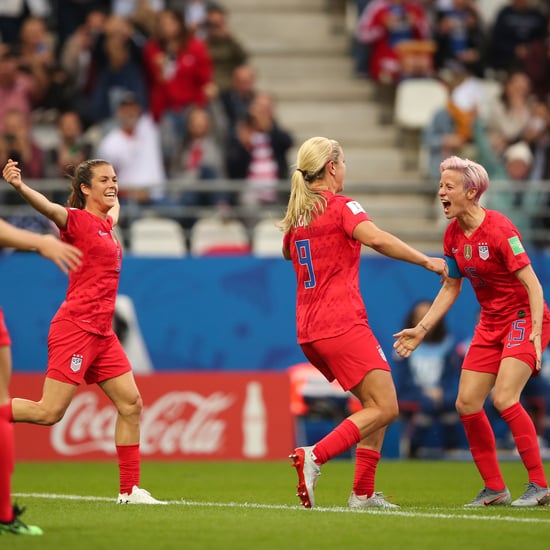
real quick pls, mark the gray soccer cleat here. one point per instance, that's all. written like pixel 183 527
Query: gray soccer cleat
pixel 377 500
pixel 488 497
pixel 534 495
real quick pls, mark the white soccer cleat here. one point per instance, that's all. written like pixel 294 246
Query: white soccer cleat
pixel 376 500
pixel 138 496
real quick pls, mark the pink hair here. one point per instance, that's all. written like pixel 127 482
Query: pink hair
pixel 474 176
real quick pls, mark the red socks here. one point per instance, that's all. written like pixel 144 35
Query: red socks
pixel 525 436
pixel 483 448
pixel 366 461
pixel 7 460
pixel 343 437
pixel 129 467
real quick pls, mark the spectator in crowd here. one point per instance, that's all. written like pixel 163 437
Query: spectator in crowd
pixel 237 98
pixel 225 49
pixel 518 24
pixel 360 49
pixel 449 132
pixel 427 383
pixel 13 13
pixel 76 57
pixel 459 35
pixel 133 148
pixel 179 72
pixel 398 35
pixel 70 14
pixel 510 114
pixel 384 28
pixel 72 147
pixel 17 143
pixel 201 160
pixel 536 65
pixel 117 67
pixel 18 89
pixel 195 12
pixel 257 153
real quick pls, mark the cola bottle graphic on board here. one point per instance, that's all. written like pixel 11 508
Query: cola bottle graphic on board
pixel 254 422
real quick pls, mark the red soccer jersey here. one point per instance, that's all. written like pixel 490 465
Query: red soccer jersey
pixel 91 295
pixel 326 257
pixel 489 258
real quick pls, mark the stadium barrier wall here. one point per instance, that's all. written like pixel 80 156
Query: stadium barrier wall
pixel 215 416
pixel 211 314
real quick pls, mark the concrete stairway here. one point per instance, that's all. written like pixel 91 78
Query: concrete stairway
pixel 301 50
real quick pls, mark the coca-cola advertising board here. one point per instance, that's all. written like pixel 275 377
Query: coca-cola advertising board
pixel 214 416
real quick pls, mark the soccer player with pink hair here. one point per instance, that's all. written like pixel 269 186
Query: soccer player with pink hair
pixel 514 328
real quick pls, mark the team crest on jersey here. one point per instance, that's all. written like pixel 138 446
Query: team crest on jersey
pixel 76 363
pixel 355 207
pixel 483 249
pixel 468 251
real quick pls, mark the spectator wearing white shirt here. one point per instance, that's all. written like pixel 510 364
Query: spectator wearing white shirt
pixel 133 148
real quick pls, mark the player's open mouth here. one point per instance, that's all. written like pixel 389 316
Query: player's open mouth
pixel 446 205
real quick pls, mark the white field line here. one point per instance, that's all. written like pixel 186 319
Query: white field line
pixel 337 510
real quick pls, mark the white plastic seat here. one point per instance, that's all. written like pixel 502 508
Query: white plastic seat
pixel 267 240
pixel 157 237
pixel 219 236
pixel 416 101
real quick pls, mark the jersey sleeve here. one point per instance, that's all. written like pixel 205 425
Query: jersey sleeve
pixel 71 230
pixel 510 246
pixel 352 215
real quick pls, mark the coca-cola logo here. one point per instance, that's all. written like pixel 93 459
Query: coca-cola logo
pixel 177 422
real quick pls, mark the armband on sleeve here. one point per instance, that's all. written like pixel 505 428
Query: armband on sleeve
pixel 452 266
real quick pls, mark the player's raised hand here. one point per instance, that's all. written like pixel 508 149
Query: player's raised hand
pixel 12 173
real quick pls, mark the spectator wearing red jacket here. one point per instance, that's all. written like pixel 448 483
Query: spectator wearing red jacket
pixel 179 72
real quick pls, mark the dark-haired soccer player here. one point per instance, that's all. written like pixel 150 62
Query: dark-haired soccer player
pixel 82 346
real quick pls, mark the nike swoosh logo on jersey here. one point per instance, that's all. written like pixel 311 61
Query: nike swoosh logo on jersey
pixel 508 345
pixel 454 250
pixel 102 233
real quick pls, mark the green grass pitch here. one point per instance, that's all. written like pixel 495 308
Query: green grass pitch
pixel 252 505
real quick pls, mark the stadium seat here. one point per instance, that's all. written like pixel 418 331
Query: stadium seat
pixel 157 237
pixel 416 101
pixel 219 236
pixel 267 240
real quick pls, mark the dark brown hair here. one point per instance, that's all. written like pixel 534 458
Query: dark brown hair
pixel 82 174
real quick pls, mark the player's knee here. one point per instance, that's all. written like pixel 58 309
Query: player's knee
pixel 391 411
pixel 502 401
pixel 50 417
pixel 131 407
